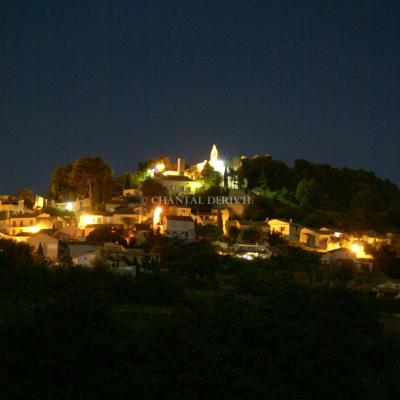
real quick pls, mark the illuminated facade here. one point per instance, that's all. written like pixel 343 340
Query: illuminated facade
pixel 179 185
pixel 180 227
pixel 21 223
pixel 214 161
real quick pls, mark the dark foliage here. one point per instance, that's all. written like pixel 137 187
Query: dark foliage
pixel 77 333
pixel 320 194
pixel 107 233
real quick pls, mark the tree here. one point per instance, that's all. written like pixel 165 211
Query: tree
pixel 386 260
pixel 392 214
pixel 261 209
pixel 201 264
pixel 25 194
pixel 107 233
pixel 61 186
pixel 39 255
pixel 276 239
pixel 127 181
pixel 89 174
pixel 251 235
pixel 266 173
pixel 151 188
pixel 13 253
pixel 307 193
pixel 366 209
pixel 344 271
pixel 233 233
pixel 211 178
pixel 145 165
pixel 209 232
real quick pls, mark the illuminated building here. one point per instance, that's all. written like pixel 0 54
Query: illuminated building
pixel 358 249
pixel 180 227
pixel 287 229
pixel 49 245
pixel 157 216
pixel 179 184
pixel 214 161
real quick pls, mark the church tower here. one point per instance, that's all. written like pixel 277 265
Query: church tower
pixel 214 154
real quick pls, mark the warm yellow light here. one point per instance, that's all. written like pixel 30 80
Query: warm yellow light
pixel 218 166
pixel 34 229
pixel 356 249
pixel 170 173
pixel 86 220
pixel 359 251
pixel 160 167
pixel 157 215
pixel 69 206
pixel 200 166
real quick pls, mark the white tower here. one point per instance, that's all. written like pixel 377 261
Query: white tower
pixel 214 155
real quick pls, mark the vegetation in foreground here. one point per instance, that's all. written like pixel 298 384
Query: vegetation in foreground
pixel 219 328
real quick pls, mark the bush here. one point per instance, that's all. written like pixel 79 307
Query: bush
pixel 251 235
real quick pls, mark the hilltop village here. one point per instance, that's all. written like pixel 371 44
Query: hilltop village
pixel 246 271
pixel 188 203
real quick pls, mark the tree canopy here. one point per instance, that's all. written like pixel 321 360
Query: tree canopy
pixel 321 194
pixel 86 177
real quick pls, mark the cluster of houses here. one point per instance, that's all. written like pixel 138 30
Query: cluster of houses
pixel 61 238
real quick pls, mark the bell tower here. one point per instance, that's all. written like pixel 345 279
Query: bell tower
pixel 214 154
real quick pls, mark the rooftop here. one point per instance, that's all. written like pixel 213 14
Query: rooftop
pixel 174 178
pixel 24 215
pixel 179 218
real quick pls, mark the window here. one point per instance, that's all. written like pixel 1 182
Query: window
pixel 21 223
pixel 14 224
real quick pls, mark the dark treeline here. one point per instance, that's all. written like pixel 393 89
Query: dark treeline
pixel 320 194
pixel 223 328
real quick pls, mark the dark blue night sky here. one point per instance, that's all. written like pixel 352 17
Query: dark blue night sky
pixel 129 80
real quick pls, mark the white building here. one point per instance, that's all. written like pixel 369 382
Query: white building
pixel 181 227
pixel 287 229
pixel 9 207
pixel 49 245
pixel 179 185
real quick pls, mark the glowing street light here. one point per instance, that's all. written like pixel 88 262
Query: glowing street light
pixel 157 215
pixel 359 250
pixel 160 167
